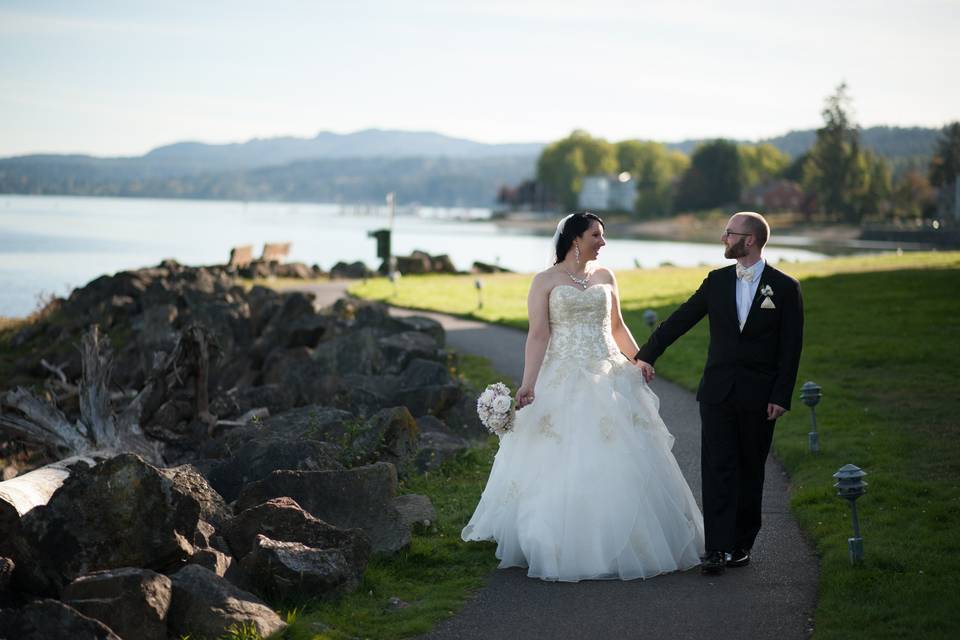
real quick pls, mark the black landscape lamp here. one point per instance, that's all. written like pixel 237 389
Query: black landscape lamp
pixel 478 284
pixel 850 486
pixel 650 317
pixel 810 393
pixel 382 236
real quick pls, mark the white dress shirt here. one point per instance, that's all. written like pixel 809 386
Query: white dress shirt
pixel 746 290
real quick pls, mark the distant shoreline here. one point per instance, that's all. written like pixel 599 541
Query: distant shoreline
pixel 787 231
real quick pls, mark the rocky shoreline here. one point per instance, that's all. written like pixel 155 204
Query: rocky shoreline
pixel 224 448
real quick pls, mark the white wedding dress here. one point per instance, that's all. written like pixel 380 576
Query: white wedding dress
pixel 585 485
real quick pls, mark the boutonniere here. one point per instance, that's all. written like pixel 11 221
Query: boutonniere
pixel 767 292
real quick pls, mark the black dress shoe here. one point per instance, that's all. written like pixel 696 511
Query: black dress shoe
pixel 713 563
pixel 739 558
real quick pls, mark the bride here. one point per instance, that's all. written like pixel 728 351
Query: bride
pixel 584 486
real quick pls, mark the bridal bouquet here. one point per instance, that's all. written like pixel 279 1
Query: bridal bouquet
pixel 495 408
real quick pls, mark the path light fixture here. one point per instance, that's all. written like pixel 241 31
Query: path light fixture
pixel 650 317
pixel 810 393
pixel 394 277
pixel 850 486
pixel 478 284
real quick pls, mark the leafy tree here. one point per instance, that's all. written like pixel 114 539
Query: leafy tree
pixel 760 162
pixel 874 186
pixel 713 178
pixel 655 170
pixel 912 196
pixel 563 164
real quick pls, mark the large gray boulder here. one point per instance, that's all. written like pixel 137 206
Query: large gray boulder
pixel 399 349
pixel 416 511
pixel 219 563
pixel 282 519
pixel 256 459
pixel 204 604
pixel 306 331
pixel 294 270
pixel 361 497
pixel 309 422
pixel 281 569
pixel 390 435
pixel 51 620
pixel 426 388
pixel 353 270
pixel 230 323
pixel 123 512
pixel 437 444
pixel 284 314
pixel 422 324
pixel 132 602
pixel 213 509
pixel 357 351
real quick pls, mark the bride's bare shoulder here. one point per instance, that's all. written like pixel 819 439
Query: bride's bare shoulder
pixel 546 279
pixel 604 275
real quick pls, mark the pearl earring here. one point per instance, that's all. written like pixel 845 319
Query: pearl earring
pixel 578 254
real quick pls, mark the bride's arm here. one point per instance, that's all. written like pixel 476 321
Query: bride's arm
pixel 621 332
pixel 538 335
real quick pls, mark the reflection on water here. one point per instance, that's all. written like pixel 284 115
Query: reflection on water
pixel 49 245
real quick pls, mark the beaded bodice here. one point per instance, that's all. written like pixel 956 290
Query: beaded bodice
pixel 580 323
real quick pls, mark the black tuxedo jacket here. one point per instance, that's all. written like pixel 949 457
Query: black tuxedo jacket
pixel 761 361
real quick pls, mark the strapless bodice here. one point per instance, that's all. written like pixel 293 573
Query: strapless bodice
pixel 580 323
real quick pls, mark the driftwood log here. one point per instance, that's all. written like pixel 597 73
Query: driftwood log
pixel 101 431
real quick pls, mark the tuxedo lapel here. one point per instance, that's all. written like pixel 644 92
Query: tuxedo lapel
pixel 758 297
pixel 730 298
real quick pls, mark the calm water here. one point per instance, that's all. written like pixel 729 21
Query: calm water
pixel 53 244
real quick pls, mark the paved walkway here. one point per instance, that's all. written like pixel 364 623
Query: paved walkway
pixel 773 597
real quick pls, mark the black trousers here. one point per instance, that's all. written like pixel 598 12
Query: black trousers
pixel 735 438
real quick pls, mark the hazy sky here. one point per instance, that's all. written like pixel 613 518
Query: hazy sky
pixel 119 78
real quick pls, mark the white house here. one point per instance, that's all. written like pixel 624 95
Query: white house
pixel 608 193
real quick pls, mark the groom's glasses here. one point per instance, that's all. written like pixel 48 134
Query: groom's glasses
pixel 734 233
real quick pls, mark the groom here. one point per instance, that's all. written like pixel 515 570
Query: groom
pixel 756 333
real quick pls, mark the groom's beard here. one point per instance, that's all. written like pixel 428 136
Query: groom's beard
pixel 736 251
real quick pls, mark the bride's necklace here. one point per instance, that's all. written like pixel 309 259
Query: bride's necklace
pixel 580 281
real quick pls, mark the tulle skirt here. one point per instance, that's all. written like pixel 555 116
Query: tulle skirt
pixel 585 485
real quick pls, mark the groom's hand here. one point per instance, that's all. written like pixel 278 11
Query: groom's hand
pixel 774 411
pixel 646 368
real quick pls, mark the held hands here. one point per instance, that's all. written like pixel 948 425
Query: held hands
pixel 646 368
pixel 524 396
pixel 774 411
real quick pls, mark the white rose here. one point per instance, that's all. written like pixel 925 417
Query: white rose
pixel 487 396
pixel 502 404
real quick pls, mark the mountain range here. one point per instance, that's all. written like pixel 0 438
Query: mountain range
pixel 422 166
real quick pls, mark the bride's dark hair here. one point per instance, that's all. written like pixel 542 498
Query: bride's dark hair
pixel 573 227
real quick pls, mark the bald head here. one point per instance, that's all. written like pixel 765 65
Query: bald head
pixel 753 223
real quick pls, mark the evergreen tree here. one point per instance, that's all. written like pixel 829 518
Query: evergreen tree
pixel 833 169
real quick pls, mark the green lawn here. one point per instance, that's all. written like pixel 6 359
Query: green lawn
pixel 883 340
